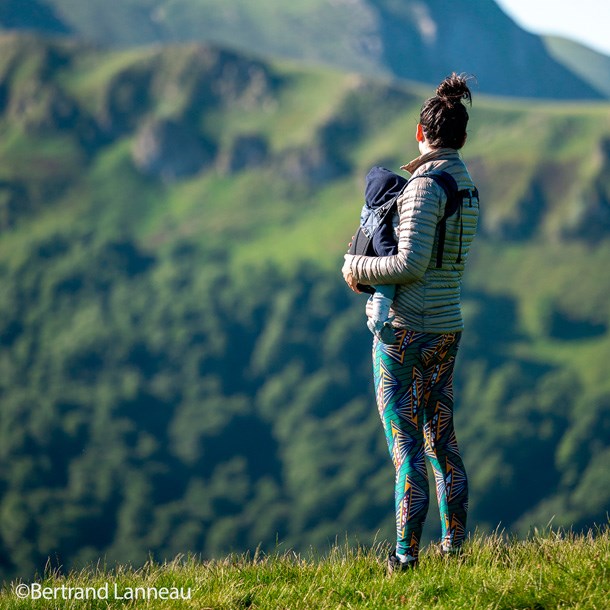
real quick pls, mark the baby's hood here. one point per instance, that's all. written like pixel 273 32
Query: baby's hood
pixel 381 186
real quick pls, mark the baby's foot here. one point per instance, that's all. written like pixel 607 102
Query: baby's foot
pixel 383 330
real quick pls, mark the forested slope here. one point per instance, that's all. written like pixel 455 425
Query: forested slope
pixel 182 368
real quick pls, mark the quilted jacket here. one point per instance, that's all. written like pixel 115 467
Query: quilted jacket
pixel 427 299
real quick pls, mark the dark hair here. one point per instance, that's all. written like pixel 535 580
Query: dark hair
pixel 443 117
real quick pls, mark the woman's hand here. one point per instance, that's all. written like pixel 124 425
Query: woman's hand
pixel 348 276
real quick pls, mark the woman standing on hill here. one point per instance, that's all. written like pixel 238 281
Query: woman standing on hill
pixel 414 377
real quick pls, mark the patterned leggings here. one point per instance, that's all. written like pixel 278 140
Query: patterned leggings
pixel 414 389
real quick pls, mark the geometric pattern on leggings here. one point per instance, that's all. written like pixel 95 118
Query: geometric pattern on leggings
pixel 414 391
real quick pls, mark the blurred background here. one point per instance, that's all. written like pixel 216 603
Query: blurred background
pixel 182 368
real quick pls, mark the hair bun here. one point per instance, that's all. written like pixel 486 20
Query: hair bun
pixel 454 89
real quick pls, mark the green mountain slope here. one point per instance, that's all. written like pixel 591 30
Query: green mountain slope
pixel 407 39
pixel 182 368
pixel 591 66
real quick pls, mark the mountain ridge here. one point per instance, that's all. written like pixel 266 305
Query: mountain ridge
pixel 592 66
pixel 417 40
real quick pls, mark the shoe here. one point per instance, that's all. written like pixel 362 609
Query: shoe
pixel 383 330
pixel 395 565
pixel 452 552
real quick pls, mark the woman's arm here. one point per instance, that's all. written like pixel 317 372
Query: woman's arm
pixel 419 211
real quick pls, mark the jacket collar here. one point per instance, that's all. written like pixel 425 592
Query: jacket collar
pixel 433 155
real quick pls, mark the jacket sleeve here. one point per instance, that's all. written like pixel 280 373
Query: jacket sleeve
pixel 419 209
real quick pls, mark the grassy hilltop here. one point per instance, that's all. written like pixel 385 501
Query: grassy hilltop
pixel 546 571
pixel 183 370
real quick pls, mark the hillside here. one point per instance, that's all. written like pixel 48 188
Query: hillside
pixel 549 570
pixel 591 66
pixel 415 40
pixel 182 368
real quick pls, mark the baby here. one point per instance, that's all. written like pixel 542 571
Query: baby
pixel 382 186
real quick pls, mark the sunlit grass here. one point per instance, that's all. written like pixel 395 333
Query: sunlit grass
pixel 546 570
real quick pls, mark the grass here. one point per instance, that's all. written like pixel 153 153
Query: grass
pixel 546 570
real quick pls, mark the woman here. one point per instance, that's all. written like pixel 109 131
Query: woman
pixel 413 377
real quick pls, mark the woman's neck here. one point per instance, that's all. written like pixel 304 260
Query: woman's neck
pixel 425 148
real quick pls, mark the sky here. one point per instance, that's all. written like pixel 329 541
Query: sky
pixel 586 21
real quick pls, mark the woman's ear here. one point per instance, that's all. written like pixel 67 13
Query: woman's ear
pixel 419 133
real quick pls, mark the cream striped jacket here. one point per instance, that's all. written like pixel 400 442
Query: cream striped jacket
pixel 427 299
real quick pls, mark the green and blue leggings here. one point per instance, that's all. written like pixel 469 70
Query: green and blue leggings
pixel 414 389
